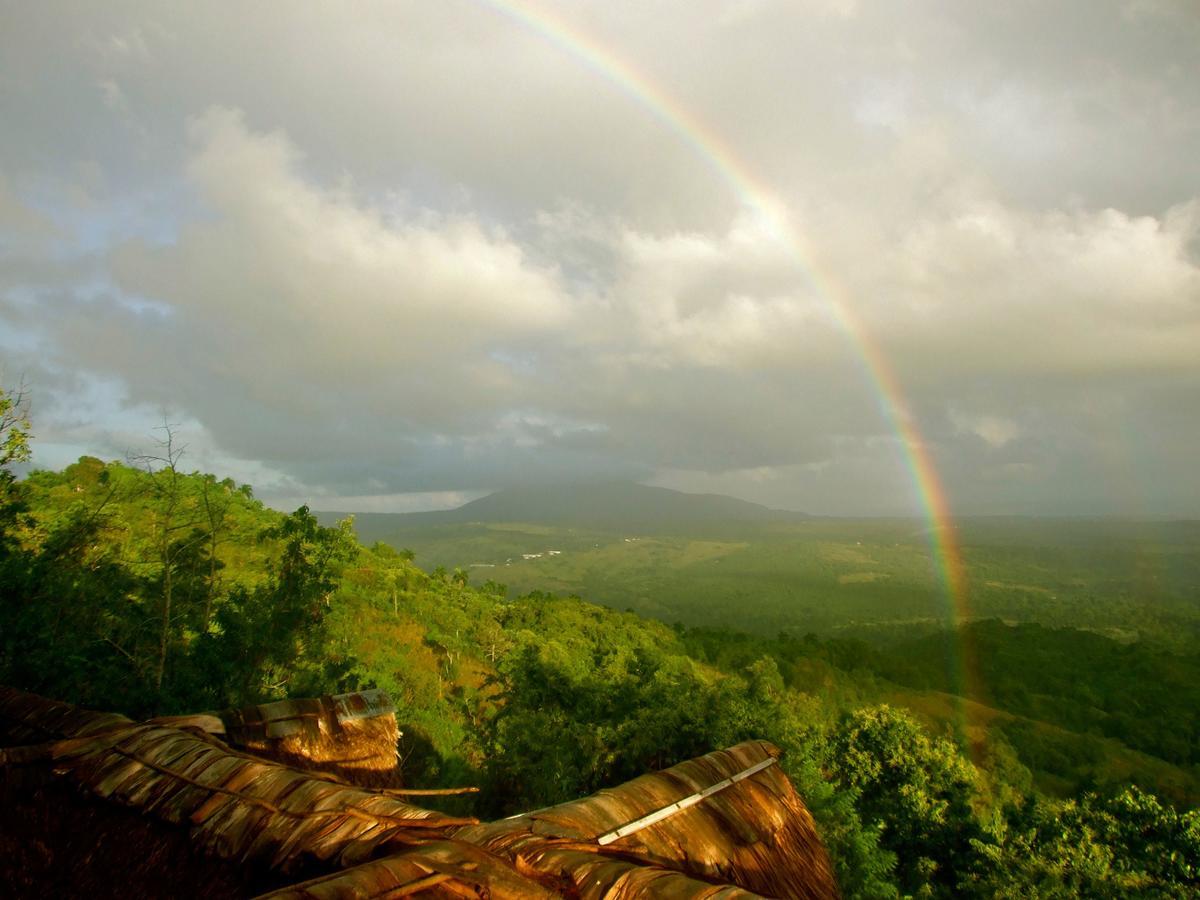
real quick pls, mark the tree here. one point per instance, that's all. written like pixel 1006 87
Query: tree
pixel 916 789
pixel 216 500
pixel 1128 844
pixel 68 626
pixel 176 535
pixel 272 639
pixel 14 427
pixel 14 448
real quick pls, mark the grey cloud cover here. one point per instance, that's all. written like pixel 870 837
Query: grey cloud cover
pixel 418 248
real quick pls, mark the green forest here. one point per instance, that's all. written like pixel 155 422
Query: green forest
pixel 1069 768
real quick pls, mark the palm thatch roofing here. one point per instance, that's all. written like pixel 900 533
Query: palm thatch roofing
pixel 353 735
pixel 728 824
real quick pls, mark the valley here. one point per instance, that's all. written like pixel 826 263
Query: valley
pixel 1082 635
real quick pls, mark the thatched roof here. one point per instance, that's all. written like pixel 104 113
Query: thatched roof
pixel 237 806
pixel 728 824
pixel 30 719
pixel 752 831
pixel 353 735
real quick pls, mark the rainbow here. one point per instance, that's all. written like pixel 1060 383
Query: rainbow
pixel 880 375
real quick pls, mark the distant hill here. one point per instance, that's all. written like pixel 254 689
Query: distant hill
pixel 609 506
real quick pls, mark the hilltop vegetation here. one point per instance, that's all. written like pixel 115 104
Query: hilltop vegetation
pixel 163 591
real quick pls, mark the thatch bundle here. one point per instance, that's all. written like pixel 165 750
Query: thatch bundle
pixel 729 818
pixel 592 877
pixel 441 869
pixel 241 808
pixel 29 719
pixel 351 735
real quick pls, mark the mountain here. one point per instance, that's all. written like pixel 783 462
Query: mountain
pixel 621 505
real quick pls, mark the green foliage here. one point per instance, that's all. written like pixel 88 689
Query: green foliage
pixel 14 428
pixel 271 640
pixel 1127 845
pixel 916 790
pixel 592 697
pixel 854 610
pixel 114 595
pixel 14 448
pixel 1144 695
pixel 542 698
pixel 871 577
pixel 68 614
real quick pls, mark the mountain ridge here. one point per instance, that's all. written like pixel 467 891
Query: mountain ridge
pixel 613 504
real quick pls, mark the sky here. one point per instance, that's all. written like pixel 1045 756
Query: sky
pixel 394 255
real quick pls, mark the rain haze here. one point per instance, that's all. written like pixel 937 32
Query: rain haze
pixel 392 256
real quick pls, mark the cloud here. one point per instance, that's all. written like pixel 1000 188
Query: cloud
pixel 23 230
pixel 1060 293
pixel 350 345
pixel 996 431
pixel 422 248
pixel 287 284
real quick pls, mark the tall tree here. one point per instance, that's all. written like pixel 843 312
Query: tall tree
pixel 14 448
pixel 175 533
pixel 272 639
pixel 215 498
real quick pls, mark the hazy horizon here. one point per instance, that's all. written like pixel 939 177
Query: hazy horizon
pixel 413 253
pixel 447 501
